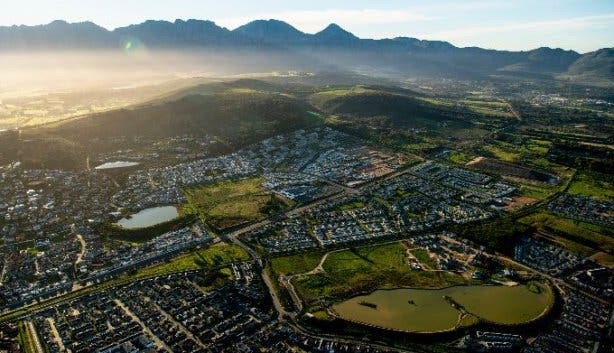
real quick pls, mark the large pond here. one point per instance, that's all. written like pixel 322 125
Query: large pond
pixel 431 310
pixel 149 217
pixel 118 164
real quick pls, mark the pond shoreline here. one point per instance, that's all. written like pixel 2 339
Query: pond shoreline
pixel 462 314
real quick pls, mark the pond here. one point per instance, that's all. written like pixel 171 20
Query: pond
pixel 431 310
pixel 117 164
pixel 149 217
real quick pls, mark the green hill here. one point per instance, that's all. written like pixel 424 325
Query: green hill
pixel 593 67
pixel 396 106
pixel 236 113
pixel 237 116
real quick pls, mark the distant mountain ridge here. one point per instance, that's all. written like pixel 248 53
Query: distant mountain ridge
pixel 331 45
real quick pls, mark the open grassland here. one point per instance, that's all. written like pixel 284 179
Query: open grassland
pixel 538 192
pixel 424 258
pixel 591 235
pixel 437 101
pixel 460 157
pixel 525 150
pixel 229 203
pixel 502 153
pixel 365 269
pixel 212 257
pixel 492 108
pixel 319 98
pixel 296 264
pixel 603 258
pixel 593 184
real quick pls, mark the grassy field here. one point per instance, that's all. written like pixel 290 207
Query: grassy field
pixel 502 154
pixel 424 258
pixel 352 206
pixel 492 108
pixel 319 98
pixel 536 191
pixel 214 256
pixel 460 157
pixel 229 203
pixel 294 264
pixel 595 185
pixel 365 269
pixel 591 235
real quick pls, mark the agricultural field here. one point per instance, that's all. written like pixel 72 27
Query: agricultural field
pixel 230 203
pixel 365 269
pixel 513 170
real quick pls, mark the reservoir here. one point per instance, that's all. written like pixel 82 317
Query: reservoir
pixel 118 164
pixel 149 217
pixel 431 310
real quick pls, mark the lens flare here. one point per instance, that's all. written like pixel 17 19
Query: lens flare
pixel 133 45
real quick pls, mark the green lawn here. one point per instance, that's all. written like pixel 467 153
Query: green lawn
pixel 229 203
pixel 365 269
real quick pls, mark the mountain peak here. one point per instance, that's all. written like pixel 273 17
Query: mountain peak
pixel 274 30
pixel 334 31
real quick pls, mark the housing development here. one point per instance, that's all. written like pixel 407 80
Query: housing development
pixel 185 187
pixel 329 192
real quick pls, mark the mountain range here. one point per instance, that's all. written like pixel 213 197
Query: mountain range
pixel 331 47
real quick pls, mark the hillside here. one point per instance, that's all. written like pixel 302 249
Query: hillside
pixel 238 116
pixel 235 113
pixel 364 102
pixel 544 61
pixel 597 66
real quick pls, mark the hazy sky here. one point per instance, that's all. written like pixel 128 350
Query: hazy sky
pixel 582 25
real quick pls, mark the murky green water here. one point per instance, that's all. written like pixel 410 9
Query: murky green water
pixel 426 310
